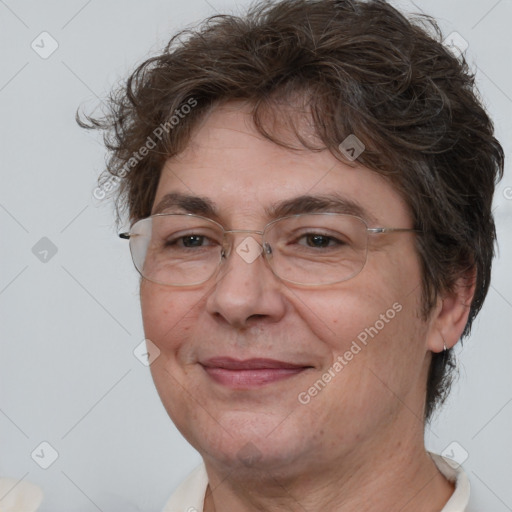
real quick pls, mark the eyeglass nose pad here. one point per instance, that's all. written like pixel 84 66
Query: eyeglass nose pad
pixel 267 249
pixel 226 248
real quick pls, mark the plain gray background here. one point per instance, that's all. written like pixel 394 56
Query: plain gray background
pixel 70 319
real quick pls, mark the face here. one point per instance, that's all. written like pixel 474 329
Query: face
pixel 252 367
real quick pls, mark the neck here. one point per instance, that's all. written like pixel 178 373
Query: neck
pixel 400 477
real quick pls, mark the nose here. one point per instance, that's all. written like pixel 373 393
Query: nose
pixel 246 291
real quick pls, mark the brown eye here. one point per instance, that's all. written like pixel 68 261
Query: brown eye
pixel 193 240
pixel 318 240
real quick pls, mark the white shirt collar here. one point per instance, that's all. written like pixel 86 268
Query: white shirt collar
pixel 454 473
pixel 189 497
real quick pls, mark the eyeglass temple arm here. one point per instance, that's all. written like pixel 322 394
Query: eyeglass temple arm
pixel 392 230
pixel 128 235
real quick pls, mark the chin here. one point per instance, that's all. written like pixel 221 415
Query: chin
pixel 245 440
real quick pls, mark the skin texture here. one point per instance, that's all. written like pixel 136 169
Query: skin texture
pixel 263 449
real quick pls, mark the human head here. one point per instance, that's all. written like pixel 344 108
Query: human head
pixel 353 67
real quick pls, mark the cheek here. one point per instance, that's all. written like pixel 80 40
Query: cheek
pixel 356 313
pixel 372 321
pixel 167 315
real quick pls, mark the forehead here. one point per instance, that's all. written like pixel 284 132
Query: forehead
pixel 230 164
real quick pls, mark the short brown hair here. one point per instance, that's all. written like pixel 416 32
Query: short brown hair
pixel 361 68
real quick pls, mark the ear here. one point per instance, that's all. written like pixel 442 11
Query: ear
pixel 450 315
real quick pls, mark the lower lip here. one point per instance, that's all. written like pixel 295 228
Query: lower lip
pixel 246 379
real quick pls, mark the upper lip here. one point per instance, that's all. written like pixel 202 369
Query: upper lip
pixel 228 363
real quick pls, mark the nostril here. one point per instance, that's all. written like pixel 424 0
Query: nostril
pixel 256 317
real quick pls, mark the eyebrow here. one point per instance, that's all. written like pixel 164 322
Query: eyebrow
pixel 333 202
pixel 187 203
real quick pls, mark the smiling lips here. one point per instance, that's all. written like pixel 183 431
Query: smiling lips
pixel 251 373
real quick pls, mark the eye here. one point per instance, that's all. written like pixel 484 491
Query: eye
pixel 190 241
pixel 319 241
pixel 193 240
